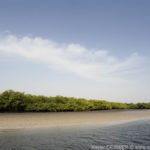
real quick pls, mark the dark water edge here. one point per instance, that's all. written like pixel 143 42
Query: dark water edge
pixel 131 135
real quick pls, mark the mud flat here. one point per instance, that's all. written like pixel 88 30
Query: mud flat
pixel 49 119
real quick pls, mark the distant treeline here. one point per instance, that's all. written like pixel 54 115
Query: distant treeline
pixel 12 101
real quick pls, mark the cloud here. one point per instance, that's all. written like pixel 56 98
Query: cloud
pixel 75 58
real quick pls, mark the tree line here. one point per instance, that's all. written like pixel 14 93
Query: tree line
pixel 14 101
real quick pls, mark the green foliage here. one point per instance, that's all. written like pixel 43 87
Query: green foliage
pixel 18 101
pixel 143 105
pixel 12 101
pixel 132 106
pixel 119 105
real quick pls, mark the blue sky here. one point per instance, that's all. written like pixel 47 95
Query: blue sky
pixel 83 48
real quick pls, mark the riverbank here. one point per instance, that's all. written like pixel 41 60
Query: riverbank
pixel 47 119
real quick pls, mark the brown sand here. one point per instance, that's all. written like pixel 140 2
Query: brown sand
pixel 32 120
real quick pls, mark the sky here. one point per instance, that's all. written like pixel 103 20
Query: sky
pixel 97 49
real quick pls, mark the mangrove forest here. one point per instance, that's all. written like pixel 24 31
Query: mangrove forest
pixel 14 101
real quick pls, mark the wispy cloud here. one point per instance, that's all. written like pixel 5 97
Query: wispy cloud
pixel 75 58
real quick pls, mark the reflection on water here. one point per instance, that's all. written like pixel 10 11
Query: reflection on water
pixel 76 138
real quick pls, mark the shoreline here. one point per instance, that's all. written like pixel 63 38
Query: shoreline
pixel 60 119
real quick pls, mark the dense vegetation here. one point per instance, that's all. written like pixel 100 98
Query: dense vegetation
pixel 18 101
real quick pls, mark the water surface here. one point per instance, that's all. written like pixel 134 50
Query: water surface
pixel 76 137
